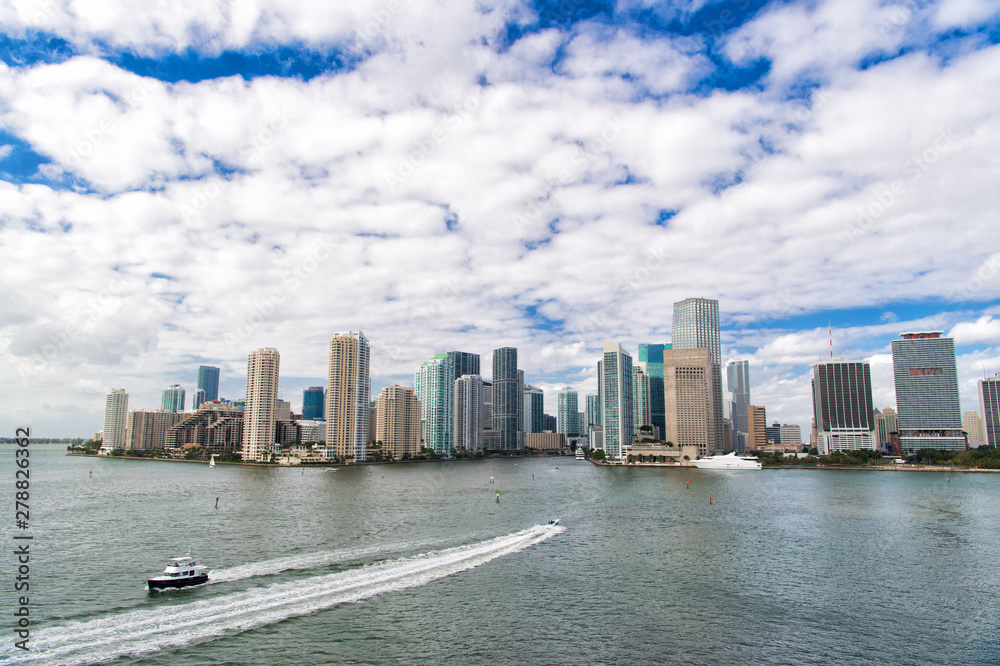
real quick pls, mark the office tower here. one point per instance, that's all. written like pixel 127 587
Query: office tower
pixel 534 409
pixel 696 326
pixel 772 433
pixel 115 420
pixel 842 406
pixel 616 393
pixel 549 423
pixel 506 397
pixel 397 422
pixel 467 414
pixel 208 381
pixel 567 411
pixel 199 398
pixel 148 430
pixel 313 399
pixel 791 434
pixel 215 426
pixel 282 410
pixel 487 405
pixel 641 407
pixel 520 409
pixel 258 415
pixel 989 404
pixel 972 424
pixel 652 356
pixel 757 422
pixel 435 388
pixel 885 425
pixel 466 363
pixel 930 414
pixel 687 398
pixel 738 383
pixel 594 412
pixel 347 392
pixel 172 399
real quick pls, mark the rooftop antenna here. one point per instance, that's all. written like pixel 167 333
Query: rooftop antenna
pixel 829 323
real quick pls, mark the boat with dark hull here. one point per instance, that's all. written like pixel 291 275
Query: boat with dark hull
pixel 181 572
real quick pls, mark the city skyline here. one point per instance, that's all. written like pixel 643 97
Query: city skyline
pixel 542 176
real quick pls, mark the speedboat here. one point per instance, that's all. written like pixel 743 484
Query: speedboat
pixel 331 469
pixel 728 461
pixel 181 572
pixel 552 523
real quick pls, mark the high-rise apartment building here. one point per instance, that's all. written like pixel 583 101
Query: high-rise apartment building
pixel 615 384
pixel 652 356
pixel 465 363
pixel 989 404
pixel 930 414
pixel 696 326
pixel 687 398
pixel 757 422
pixel 313 404
pixel 972 424
pixel 115 420
pixel 842 406
pixel 398 422
pixel 641 406
pixel 172 399
pixel 566 414
pixel 593 413
pixel 208 381
pixel 215 426
pixel 467 414
pixel 148 430
pixel 534 409
pixel 347 395
pixel 199 398
pixel 738 382
pixel 506 396
pixel 259 417
pixel 435 388
pixel 885 425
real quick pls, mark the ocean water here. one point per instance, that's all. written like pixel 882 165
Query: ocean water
pixel 420 564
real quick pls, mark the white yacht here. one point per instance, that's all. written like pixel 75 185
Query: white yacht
pixel 728 461
pixel 181 572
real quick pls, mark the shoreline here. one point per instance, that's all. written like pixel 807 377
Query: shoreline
pixel 910 467
pixel 311 464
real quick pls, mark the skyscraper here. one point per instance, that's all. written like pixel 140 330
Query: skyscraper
pixel 115 420
pixel 989 404
pixel 687 398
pixel 534 409
pixel 505 397
pixel 398 422
pixel 435 389
pixel 790 434
pixel 842 406
pixel 930 414
pixel 467 414
pixel 757 422
pixel 347 394
pixel 172 399
pixel 313 402
pixel 652 356
pixel 465 363
pixel 208 381
pixel 259 417
pixel 886 423
pixel 738 381
pixel 696 326
pixel 567 411
pixel 641 407
pixel 972 424
pixel 199 398
pixel 616 393
pixel 593 413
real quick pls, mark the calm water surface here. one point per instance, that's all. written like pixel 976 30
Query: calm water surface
pixel 419 563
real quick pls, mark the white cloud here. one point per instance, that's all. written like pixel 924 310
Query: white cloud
pixel 985 330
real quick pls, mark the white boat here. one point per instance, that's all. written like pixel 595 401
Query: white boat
pixel 728 461
pixel 331 469
pixel 181 572
pixel 552 523
pixel 211 463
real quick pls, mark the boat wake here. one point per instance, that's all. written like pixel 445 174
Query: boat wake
pixel 139 632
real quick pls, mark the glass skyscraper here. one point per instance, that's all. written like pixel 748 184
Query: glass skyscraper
pixel 506 396
pixel 930 414
pixel 465 363
pixel 435 385
pixel 989 404
pixel 568 410
pixel 738 382
pixel 534 409
pixel 172 399
pixel 313 400
pixel 208 381
pixel 616 396
pixel 652 356
pixel 696 326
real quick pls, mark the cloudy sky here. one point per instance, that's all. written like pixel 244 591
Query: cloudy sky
pixel 181 183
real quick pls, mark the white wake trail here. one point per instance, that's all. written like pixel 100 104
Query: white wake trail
pixel 139 632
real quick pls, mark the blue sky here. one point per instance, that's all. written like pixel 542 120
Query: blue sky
pixel 182 185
